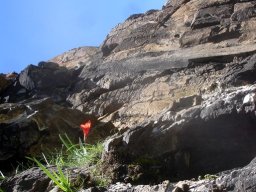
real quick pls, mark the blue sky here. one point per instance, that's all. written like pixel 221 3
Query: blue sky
pixel 37 30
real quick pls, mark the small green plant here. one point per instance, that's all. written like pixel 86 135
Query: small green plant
pixel 2 177
pixel 77 155
pixel 22 166
pixel 98 176
pixel 207 176
pixel 59 178
pixel 83 155
pixel 74 155
pixel 210 177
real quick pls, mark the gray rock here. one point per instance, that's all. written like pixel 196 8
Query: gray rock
pixel 46 80
pixel 75 58
pixel 35 180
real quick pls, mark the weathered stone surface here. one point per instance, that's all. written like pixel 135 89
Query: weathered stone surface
pixel 76 57
pixel 187 139
pixel 242 179
pixel 30 180
pixel 123 187
pixel 168 29
pixel 143 50
pixel 35 180
pixel 46 79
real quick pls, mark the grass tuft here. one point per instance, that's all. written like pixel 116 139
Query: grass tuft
pixel 74 155
pixel 59 178
pixel 2 177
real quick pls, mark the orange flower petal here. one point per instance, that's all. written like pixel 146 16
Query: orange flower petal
pixel 86 127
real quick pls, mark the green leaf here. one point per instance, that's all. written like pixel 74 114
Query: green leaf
pixel 51 174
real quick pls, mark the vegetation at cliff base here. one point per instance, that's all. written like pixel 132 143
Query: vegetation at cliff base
pixel 73 155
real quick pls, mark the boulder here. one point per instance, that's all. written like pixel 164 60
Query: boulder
pixel 37 181
pixel 47 79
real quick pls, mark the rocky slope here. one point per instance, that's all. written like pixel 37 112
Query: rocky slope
pixel 178 84
pixel 76 57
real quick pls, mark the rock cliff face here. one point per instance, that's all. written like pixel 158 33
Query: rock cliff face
pixel 178 84
pixel 76 57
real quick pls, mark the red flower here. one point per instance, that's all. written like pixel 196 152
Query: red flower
pixel 86 128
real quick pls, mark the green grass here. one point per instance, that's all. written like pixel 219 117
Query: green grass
pixel 2 177
pixel 59 178
pixel 99 178
pixel 74 155
pixel 22 166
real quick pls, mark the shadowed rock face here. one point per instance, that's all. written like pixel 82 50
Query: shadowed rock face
pixel 30 128
pixel 179 84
